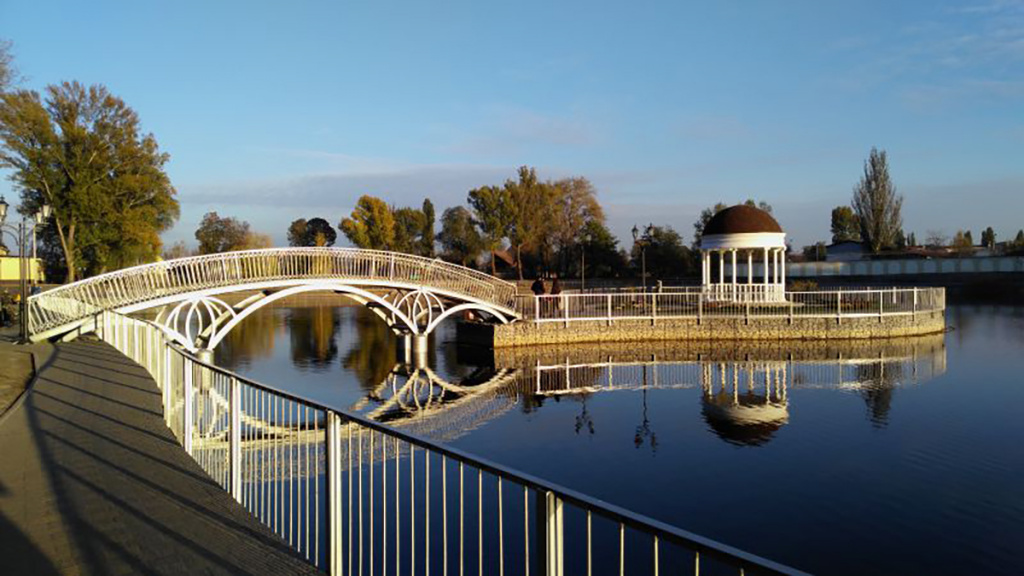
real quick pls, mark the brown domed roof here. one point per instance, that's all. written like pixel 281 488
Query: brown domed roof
pixel 741 219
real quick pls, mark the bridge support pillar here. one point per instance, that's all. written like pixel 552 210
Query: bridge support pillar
pixel 413 348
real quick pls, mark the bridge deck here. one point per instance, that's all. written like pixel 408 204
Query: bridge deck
pixel 93 482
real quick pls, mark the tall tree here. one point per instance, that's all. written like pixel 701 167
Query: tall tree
pixel 427 239
pixel 531 202
pixel 312 232
pixel 492 209
pixel 409 224
pixel 574 205
pixel 297 232
pixel 877 204
pixel 1019 239
pixel 845 225
pixel 371 225
pixel 81 151
pixel 988 238
pixel 9 76
pixel 962 243
pixel 216 234
pixel 460 241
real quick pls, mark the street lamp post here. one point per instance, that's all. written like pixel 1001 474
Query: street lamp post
pixel 21 232
pixel 642 241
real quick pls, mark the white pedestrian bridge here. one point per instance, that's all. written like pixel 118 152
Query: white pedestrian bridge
pixel 412 293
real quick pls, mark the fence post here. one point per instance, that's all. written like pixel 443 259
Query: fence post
pixel 333 508
pixel 167 384
pixel 563 301
pixel 608 298
pixel 654 309
pixel 881 305
pixel 839 306
pixel 554 565
pixel 186 426
pixel 536 308
pixel 700 307
pixel 235 442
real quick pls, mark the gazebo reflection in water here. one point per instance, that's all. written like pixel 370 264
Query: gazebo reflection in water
pixel 746 391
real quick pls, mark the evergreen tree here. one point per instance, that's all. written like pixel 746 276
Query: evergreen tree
pixel 877 205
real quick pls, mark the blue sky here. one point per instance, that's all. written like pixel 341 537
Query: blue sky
pixel 273 111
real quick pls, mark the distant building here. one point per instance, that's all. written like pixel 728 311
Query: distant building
pixel 10 270
pixel 848 251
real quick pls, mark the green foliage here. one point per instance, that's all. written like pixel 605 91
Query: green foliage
pixel 705 216
pixel 427 239
pixel 409 225
pixel 962 243
pixel 601 255
pixel 877 205
pixel 313 232
pixel 8 73
pixel 666 256
pixel 80 151
pixel 815 253
pixel 912 239
pixel 492 206
pixel 460 241
pixel 371 225
pixel 297 232
pixel 845 225
pixel 216 234
pixel 988 238
pixel 1019 239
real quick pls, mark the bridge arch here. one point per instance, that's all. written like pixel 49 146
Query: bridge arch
pixel 414 294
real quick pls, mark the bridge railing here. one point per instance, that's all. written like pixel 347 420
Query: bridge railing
pixel 150 282
pixel 354 495
pixel 696 303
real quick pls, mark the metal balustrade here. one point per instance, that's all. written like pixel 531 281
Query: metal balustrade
pixel 697 303
pixel 150 283
pixel 356 496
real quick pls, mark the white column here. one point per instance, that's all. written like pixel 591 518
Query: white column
pixel 734 268
pixel 703 268
pixel 750 266
pixel 782 266
pixel 721 267
pixel 766 267
pixel 775 266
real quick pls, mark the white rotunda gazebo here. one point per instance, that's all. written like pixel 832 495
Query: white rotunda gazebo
pixel 739 235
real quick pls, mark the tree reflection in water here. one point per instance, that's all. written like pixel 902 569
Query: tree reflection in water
pixel 313 330
pixel 745 387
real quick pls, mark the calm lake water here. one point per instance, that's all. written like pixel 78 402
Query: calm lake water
pixel 889 457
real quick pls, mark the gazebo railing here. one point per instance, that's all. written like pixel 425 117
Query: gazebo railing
pixel 838 304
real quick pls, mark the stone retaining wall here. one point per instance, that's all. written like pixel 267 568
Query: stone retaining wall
pixel 529 333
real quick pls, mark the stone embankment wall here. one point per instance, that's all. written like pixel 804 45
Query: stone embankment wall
pixel 529 333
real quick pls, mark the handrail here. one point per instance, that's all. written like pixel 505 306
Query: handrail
pixel 730 301
pixel 149 282
pixel 185 378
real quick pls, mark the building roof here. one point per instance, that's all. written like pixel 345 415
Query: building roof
pixel 741 219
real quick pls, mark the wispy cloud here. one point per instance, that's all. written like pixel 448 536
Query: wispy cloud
pixel 973 50
pixel 507 130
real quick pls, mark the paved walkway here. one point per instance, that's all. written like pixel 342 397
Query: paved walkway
pixel 93 482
